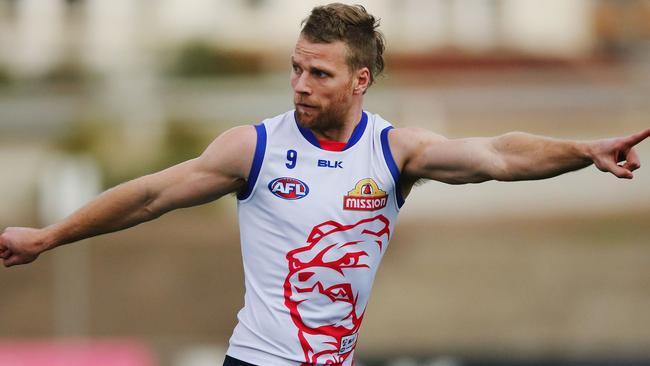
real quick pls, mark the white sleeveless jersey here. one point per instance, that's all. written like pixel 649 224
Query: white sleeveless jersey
pixel 314 225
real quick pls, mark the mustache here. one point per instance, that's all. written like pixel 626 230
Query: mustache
pixel 300 100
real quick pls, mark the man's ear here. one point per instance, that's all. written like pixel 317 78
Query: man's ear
pixel 361 80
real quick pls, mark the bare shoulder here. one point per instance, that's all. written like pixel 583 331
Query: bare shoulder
pixel 407 142
pixel 231 153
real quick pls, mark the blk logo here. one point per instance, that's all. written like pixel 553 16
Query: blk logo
pixel 288 188
pixel 330 164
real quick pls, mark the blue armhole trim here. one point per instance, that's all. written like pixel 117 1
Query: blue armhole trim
pixel 394 171
pixel 358 131
pixel 258 158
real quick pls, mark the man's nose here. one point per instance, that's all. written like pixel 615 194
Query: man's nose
pixel 301 85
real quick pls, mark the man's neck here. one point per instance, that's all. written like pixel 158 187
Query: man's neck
pixel 343 132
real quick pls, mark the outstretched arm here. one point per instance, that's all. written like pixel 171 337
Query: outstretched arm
pixel 510 157
pixel 222 168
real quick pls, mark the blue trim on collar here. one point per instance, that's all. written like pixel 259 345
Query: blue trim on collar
pixel 306 133
pixel 258 158
pixel 358 131
pixel 356 134
pixel 392 166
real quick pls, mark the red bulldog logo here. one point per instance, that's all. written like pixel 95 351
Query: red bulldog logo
pixel 327 287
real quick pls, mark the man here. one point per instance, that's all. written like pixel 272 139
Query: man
pixel 319 189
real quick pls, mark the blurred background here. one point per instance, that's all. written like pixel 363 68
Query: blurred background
pixel 96 92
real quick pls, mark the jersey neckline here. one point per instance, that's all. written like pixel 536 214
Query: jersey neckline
pixel 354 138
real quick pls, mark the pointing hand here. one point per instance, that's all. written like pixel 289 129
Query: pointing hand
pixel 608 154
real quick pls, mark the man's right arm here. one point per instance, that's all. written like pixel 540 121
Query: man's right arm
pixel 221 169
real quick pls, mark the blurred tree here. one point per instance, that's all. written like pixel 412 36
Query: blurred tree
pixel 621 25
pixel 183 140
pixel 5 78
pixel 89 137
pixel 67 71
pixel 200 59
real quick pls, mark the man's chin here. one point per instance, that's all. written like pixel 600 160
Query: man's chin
pixel 305 119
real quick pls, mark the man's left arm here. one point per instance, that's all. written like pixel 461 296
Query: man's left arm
pixel 509 157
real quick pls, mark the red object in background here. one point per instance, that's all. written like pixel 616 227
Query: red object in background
pixel 75 353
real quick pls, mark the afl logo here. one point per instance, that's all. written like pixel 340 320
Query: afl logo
pixel 289 188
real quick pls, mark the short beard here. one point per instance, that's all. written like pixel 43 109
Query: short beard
pixel 325 120
pixel 329 119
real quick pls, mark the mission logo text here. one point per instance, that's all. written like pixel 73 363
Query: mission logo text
pixel 366 196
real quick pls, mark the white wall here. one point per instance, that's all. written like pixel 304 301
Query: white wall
pixel 38 36
pixel 559 27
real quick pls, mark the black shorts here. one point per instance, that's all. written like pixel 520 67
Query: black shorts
pixel 231 361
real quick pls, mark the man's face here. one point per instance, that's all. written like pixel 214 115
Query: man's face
pixel 322 84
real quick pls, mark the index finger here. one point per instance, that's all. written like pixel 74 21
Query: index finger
pixel 637 137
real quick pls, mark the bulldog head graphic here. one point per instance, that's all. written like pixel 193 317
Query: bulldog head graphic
pixel 328 284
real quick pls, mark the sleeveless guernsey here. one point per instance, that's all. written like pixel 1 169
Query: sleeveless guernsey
pixel 314 225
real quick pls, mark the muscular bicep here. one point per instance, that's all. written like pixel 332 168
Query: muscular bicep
pixel 221 169
pixel 426 155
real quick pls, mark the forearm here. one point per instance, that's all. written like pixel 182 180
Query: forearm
pixel 528 157
pixel 510 157
pixel 221 169
pixel 121 207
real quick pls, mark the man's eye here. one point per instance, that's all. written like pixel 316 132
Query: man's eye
pixel 320 74
pixel 295 69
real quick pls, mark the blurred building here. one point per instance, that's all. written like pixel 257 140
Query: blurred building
pixel 38 35
pixel 133 62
